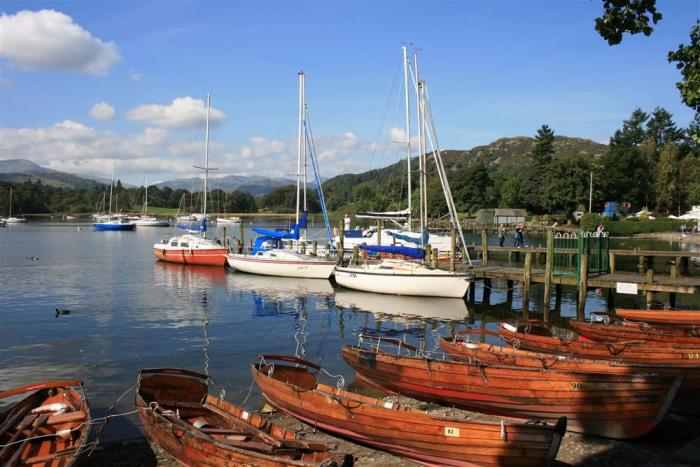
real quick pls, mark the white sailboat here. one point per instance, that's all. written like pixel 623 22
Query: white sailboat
pixel 112 223
pixel 149 221
pixel 402 277
pixel 13 220
pixel 195 249
pixel 285 262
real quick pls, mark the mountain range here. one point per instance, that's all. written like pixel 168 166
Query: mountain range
pixel 255 184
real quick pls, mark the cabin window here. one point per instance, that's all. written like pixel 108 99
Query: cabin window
pixel 173 243
pixel 260 253
pixel 184 244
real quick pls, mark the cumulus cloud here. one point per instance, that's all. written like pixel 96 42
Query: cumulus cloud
pixel 50 40
pixel 102 111
pixel 183 112
pixel 135 76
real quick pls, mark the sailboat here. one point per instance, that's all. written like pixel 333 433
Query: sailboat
pixel 116 222
pixel 195 249
pixel 149 221
pixel 267 256
pixel 403 277
pixel 13 220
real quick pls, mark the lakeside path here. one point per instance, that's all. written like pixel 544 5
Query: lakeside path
pixel 671 237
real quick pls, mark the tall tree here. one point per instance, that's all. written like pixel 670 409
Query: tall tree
pixel 631 16
pixel 544 144
pixel 667 178
pixel 472 187
pixel 624 175
pixel 632 132
pixel 687 60
pixel 661 128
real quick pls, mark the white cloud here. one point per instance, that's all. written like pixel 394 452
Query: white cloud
pixel 50 40
pixel 102 111
pixel 135 76
pixel 183 112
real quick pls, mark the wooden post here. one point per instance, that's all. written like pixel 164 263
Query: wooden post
pixel 379 232
pixel 582 288
pixel 509 293
pixel 527 273
pixel 224 242
pixel 435 258
pixel 676 268
pixel 240 236
pixel 672 299
pixel 239 246
pixel 328 251
pixel 355 254
pixel 250 248
pixel 453 251
pixel 428 253
pixel 611 254
pixel 472 291
pixel 484 246
pixel 339 251
pixel 486 297
pixel 548 268
pixel 650 294
pixel 314 247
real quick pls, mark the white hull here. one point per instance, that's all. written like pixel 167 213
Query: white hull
pixel 396 280
pixel 304 266
pixel 151 223
pixel 15 220
pixel 228 220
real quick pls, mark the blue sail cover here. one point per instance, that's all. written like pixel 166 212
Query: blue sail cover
pixel 411 238
pixel 202 227
pixel 285 234
pixel 418 253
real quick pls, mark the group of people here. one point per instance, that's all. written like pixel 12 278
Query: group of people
pixel 518 234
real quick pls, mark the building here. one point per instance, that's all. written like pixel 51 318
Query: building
pixel 500 216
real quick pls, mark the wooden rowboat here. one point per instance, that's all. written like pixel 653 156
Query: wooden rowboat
pixel 614 406
pixel 467 349
pixel 180 416
pixel 536 335
pixel 428 438
pixel 48 427
pixel 684 317
pixel 630 331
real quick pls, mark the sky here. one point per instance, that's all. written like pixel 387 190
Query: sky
pixel 88 87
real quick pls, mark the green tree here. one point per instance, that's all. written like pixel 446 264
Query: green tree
pixel 687 60
pixel 633 131
pixel 566 183
pixel 661 128
pixel 510 192
pixel 544 145
pixel 626 16
pixel 471 187
pixel 624 175
pixel 540 158
pixel 666 185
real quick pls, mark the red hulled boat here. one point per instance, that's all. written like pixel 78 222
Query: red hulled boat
pixel 684 317
pixel 614 406
pixel 434 439
pixel 630 331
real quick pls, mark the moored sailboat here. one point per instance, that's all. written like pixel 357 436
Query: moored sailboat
pixel 193 249
pixel 118 223
pixel 149 221
pixel 10 219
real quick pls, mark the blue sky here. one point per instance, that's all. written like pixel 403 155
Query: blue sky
pixel 495 69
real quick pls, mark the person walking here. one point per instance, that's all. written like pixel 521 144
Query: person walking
pixel 501 235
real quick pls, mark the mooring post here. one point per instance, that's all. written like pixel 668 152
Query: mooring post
pixel 314 247
pixel 672 299
pixel 379 232
pixel 484 246
pixel 240 236
pixel 328 251
pixel 435 258
pixel 250 247
pixel 453 250
pixel 428 253
pixel 355 254
pixel 486 297
pixel 611 255
pixel 224 242
pixel 472 291
pixel 650 294
pixel 239 246
pixel 548 268
pixel 582 288
pixel 527 273
pixel 676 268
pixel 509 293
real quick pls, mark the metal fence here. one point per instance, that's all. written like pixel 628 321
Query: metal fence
pixel 567 248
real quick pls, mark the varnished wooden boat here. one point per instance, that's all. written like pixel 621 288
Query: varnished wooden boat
pixel 614 406
pixel 49 427
pixel 630 331
pixel 684 317
pixel 293 387
pixel 180 416
pixel 536 335
pixel 468 349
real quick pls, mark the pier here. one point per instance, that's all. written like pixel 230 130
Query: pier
pixel 569 259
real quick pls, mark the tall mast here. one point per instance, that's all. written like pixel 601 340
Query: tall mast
pixel 421 126
pixel 145 200
pixel 408 130
pixel 206 165
pixel 10 214
pixel 304 156
pixel 111 187
pixel 301 140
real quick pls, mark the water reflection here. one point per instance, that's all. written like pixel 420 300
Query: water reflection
pixel 183 276
pixel 278 287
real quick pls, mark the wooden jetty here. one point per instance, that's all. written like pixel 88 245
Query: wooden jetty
pixel 644 280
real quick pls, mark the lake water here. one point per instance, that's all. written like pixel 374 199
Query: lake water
pixel 129 311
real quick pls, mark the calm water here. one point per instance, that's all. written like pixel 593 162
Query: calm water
pixel 128 311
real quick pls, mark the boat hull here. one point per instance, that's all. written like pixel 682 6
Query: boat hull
pixel 425 285
pixel 636 331
pixel 613 406
pixel 173 389
pixel 470 351
pixel 684 317
pixel 202 257
pixel 281 268
pixel 416 434
pixel 114 227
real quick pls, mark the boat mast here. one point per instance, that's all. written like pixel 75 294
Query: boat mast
pixel 300 139
pixel 145 199
pixel 10 214
pixel 111 188
pixel 408 131
pixel 421 149
pixel 206 166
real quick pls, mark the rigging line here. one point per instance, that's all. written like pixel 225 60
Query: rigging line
pixel 312 150
pixel 383 109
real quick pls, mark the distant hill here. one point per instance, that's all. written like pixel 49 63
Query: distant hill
pixel 255 185
pixel 504 153
pixel 22 170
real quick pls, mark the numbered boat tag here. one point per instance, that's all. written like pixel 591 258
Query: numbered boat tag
pixel 245 415
pixel 451 431
pixel 388 405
